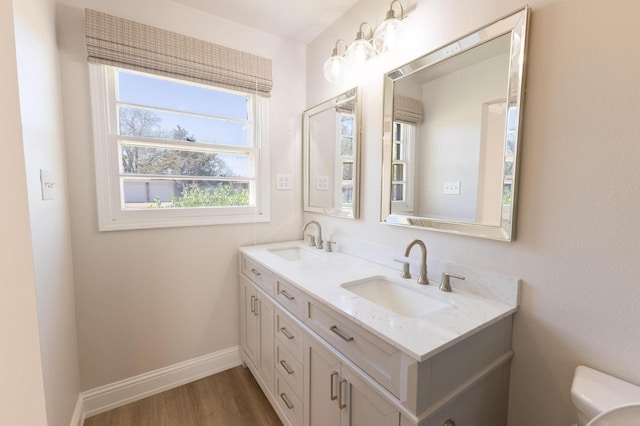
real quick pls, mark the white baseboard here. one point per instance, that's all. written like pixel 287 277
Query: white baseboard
pixel 104 398
pixel 78 413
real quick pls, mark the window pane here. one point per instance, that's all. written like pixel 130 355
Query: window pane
pixel 346 125
pixel 397 192
pixel 162 93
pixel 165 161
pixel 398 172
pixel 346 146
pixel 506 194
pixel 508 168
pixel 164 125
pixel 397 134
pixel 347 171
pixel 347 193
pixel 397 152
pixel 173 193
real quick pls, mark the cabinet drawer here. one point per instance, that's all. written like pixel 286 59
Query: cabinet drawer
pixel 289 368
pixel 290 297
pixel 375 356
pixel 259 275
pixel 289 401
pixel 289 334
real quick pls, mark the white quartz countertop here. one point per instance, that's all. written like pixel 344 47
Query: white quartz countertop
pixel 419 337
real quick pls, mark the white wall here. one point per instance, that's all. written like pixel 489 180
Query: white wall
pixel 22 398
pixel 450 147
pixel 149 299
pixel 42 136
pixel 577 242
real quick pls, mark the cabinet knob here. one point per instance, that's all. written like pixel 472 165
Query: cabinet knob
pixel 449 422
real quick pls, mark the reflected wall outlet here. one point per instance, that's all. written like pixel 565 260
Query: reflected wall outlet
pixel 451 188
pixel 322 183
pixel 284 182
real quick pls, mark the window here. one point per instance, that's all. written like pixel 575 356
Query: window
pixel 175 153
pixel 346 157
pixel 402 167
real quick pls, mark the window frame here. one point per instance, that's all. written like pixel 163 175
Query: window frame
pixel 344 159
pixel 407 143
pixel 112 217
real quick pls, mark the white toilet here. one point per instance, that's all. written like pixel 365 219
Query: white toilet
pixel 593 393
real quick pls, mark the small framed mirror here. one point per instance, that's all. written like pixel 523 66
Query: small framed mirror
pixel 451 134
pixel 331 152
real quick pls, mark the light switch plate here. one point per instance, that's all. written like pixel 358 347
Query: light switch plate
pixel 48 183
pixel 284 182
pixel 322 183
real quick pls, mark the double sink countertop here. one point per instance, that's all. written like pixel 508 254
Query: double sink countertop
pixel 335 279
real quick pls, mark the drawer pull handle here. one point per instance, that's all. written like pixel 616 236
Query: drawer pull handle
pixel 341 394
pixel 449 422
pixel 286 401
pixel 287 295
pixel 334 328
pixel 256 272
pixel 286 367
pixel 332 386
pixel 286 333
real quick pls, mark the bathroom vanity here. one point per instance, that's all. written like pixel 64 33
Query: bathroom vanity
pixel 334 339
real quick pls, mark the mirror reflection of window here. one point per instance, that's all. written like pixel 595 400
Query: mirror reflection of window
pixel 345 162
pixel 402 198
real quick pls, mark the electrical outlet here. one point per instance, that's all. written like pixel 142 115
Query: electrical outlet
pixel 451 188
pixel 322 183
pixel 284 182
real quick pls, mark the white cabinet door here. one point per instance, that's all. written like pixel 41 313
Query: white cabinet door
pixel 267 349
pixel 322 376
pixel 250 321
pixel 335 395
pixel 366 407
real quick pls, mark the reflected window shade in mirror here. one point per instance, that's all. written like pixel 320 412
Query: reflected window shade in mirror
pixel 331 140
pixel 127 44
pixel 466 146
pixel 407 110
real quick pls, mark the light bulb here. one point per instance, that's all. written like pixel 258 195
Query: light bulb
pixel 359 52
pixel 388 35
pixel 335 68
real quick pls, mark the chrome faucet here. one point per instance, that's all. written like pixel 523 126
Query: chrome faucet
pixel 422 278
pixel 319 239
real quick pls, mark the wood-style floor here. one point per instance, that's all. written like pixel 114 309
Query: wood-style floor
pixel 232 398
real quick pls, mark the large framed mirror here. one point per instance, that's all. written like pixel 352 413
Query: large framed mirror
pixel 331 152
pixel 451 134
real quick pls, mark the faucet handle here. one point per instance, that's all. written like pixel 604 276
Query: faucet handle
pixel 328 247
pixel 312 239
pixel 445 285
pixel 405 267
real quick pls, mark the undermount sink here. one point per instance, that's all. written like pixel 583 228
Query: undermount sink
pixel 395 297
pixel 294 253
pixel 624 415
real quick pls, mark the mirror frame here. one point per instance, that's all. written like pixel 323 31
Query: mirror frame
pixel 515 24
pixel 354 95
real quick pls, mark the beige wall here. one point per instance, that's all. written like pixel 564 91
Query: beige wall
pixel 149 299
pixel 41 111
pixel 577 241
pixel 21 387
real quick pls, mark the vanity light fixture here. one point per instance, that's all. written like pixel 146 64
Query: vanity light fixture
pixel 386 38
pixel 388 35
pixel 336 67
pixel 360 50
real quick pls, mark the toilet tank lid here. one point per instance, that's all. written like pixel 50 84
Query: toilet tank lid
pixel 593 392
